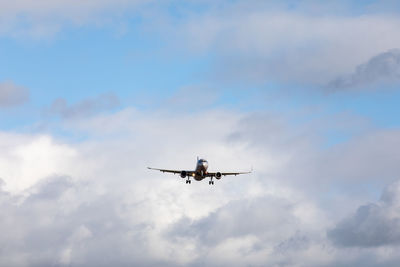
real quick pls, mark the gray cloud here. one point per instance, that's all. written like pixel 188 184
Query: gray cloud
pixel 366 155
pixel 55 226
pixel 12 94
pixel 373 225
pixel 383 68
pixel 258 231
pixel 83 108
pixel 258 217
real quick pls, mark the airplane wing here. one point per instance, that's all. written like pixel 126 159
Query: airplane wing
pixel 216 174
pixel 189 173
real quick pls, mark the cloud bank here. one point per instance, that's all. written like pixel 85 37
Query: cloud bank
pixel 93 202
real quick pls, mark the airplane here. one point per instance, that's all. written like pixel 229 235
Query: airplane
pixel 200 172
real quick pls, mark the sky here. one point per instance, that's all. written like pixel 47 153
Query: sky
pixel 304 92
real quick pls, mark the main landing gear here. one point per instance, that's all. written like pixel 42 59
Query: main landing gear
pixel 211 182
pixel 188 181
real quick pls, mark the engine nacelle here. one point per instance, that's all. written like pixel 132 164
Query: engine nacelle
pixel 183 174
pixel 218 175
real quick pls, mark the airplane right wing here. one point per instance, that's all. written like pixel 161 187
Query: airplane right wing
pixel 234 173
pixel 188 173
pixel 219 174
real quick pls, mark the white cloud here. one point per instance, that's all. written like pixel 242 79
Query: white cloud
pixel 27 159
pixel 262 45
pixel 94 203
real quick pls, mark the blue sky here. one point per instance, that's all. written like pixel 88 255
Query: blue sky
pixel 306 92
pixel 143 68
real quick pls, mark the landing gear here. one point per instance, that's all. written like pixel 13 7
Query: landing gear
pixel 210 182
pixel 188 181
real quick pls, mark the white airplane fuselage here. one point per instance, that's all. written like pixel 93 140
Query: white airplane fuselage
pixel 201 169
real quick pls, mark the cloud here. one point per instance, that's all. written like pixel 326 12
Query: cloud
pixel 92 202
pixel 260 43
pixel 26 159
pixel 56 225
pixel 262 216
pixel 368 153
pixel 83 108
pixel 12 94
pixel 383 68
pixel 373 225
pixel 185 96
pixel 44 18
pixel 254 231
pixel 101 206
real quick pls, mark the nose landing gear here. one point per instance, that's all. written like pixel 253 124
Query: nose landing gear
pixel 211 182
pixel 188 181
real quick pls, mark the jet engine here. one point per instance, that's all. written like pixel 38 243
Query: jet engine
pixel 218 175
pixel 183 174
